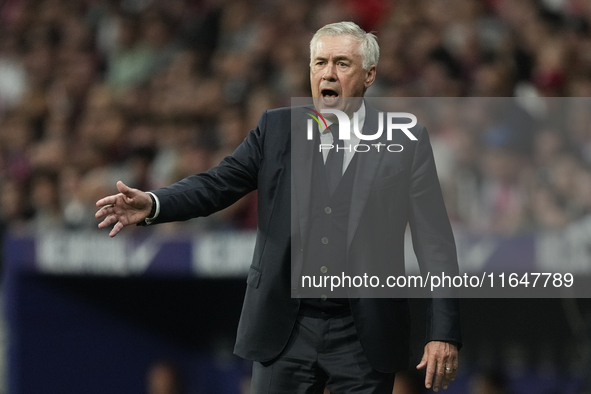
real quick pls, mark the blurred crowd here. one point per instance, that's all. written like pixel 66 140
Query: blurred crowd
pixel 150 91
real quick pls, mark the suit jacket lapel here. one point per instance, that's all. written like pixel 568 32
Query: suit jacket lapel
pixel 301 174
pixel 367 165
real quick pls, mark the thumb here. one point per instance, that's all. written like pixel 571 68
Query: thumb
pixel 124 189
pixel 423 362
pixel 127 192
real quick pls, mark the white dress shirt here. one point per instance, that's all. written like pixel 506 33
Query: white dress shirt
pixel 326 138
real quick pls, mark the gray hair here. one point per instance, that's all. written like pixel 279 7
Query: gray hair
pixel 368 43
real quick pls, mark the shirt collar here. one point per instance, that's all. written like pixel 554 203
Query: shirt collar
pixel 360 118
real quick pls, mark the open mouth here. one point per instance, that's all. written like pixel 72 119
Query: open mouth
pixel 329 96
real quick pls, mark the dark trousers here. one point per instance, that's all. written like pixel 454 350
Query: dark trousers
pixel 322 352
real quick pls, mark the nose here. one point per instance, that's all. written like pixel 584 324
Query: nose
pixel 330 72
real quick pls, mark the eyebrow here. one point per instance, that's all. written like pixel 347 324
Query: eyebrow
pixel 336 58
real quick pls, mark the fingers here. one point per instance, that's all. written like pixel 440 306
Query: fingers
pixel 441 362
pixel 108 221
pixel 115 208
pixel 431 365
pixel 116 228
pixel 451 370
pixel 427 362
pixel 437 374
pixel 448 375
pixel 440 370
pixel 110 200
pixel 104 211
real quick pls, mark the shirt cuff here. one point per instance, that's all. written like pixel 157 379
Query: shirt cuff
pixel 157 212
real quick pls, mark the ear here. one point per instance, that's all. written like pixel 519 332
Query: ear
pixel 370 77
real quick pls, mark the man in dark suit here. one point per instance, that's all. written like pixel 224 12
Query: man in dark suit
pixel 363 201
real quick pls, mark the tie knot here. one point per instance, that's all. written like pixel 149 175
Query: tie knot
pixel 334 130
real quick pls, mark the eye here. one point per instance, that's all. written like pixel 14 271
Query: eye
pixel 342 64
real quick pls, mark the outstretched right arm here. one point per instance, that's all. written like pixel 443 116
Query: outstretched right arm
pixel 197 195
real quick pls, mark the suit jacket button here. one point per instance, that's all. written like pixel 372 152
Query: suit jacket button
pixel 323 269
pixel 327 210
pixel 323 297
pixel 324 240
